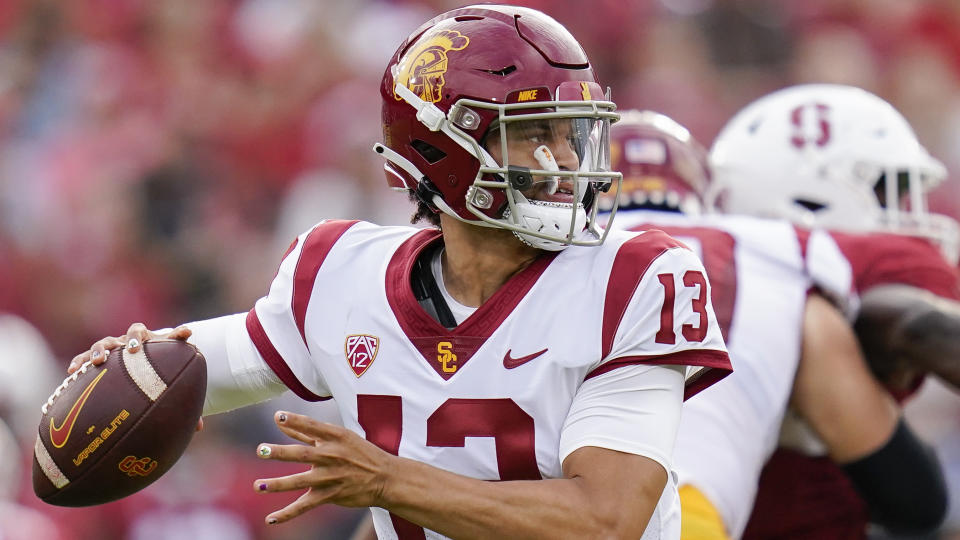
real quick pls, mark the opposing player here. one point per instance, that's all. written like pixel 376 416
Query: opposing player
pixel 785 344
pixel 842 158
pixel 516 342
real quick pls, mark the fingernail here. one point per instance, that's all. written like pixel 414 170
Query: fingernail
pixel 263 450
pixel 272 521
pixel 263 487
pixel 133 343
pixel 282 417
pixel 95 354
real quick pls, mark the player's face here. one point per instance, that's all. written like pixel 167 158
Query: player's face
pixel 542 145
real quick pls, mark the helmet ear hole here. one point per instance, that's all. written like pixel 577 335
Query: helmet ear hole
pixel 427 151
pixel 812 206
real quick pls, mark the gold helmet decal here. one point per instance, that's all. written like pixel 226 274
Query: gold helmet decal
pixel 422 68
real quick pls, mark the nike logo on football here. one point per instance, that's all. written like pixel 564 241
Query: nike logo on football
pixel 510 362
pixel 59 435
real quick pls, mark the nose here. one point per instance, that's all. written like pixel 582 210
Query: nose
pixel 566 157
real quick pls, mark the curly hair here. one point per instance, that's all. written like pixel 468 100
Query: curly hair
pixel 423 213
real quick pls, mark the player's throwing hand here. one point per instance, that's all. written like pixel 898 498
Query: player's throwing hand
pixel 344 468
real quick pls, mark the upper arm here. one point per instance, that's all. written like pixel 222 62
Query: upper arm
pixel 835 391
pixel 618 437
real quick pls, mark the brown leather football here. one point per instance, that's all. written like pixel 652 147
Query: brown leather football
pixel 111 430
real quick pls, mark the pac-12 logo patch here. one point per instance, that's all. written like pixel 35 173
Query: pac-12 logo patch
pixel 361 351
pixel 422 68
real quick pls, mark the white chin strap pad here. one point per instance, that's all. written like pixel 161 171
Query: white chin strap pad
pixel 547 162
pixel 548 218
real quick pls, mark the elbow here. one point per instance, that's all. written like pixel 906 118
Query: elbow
pixel 628 522
pixel 920 522
pixel 615 531
pixel 920 515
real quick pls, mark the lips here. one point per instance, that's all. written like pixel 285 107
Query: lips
pixel 564 193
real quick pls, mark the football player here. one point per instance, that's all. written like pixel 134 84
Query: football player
pixel 515 341
pixel 841 158
pixel 786 346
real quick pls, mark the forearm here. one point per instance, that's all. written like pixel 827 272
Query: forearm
pixel 905 327
pixel 931 340
pixel 236 375
pixel 462 507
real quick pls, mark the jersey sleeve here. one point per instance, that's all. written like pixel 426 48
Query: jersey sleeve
pixel 880 259
pixel 657 310
pixel 635 410
pixel 277 323
pixel 236 374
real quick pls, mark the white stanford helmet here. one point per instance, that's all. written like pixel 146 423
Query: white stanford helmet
pixel 820 155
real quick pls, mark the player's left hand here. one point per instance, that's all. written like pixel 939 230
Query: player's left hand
pixel 344 468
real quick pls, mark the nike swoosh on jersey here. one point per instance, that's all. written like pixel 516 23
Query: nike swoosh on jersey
pixel 59 435
pixel 510 362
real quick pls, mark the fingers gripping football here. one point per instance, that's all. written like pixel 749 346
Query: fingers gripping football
pixel 136 335
pixel 133 339
pixel 344 468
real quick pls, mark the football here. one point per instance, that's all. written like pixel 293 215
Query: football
pixel 113 429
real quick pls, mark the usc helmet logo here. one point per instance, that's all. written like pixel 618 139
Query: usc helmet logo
pixel 422 68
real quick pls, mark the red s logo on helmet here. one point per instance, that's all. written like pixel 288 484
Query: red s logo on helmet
pixel 805 132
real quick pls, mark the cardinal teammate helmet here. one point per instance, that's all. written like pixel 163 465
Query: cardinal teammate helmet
pixel 663 166
pixel 828 155
pixel 487 106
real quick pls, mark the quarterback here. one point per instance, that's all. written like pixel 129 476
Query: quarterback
pixel 515 341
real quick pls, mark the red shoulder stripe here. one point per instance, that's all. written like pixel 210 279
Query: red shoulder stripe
pixel 716 365
pixel 276 362
pixel 631 263
pixel 315 249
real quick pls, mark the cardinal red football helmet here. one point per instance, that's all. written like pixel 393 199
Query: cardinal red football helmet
pixel 482 70
pixel 663 166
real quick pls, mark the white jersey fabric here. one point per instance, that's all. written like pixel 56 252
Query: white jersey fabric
pixel 760 280
pixel 510 391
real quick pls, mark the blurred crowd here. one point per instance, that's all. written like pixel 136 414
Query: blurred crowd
pixel 156 157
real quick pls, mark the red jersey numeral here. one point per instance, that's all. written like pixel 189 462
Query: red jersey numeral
pixel 717 254
pixel 666 334
pixel 696 333
pixel 511 428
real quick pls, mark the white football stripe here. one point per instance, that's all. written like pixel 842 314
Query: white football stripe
pixel 48 467
pixel 142 373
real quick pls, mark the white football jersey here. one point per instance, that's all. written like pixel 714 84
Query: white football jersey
pixel 760 280
pixel 492 398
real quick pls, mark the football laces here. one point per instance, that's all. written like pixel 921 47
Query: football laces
pixel 63 386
